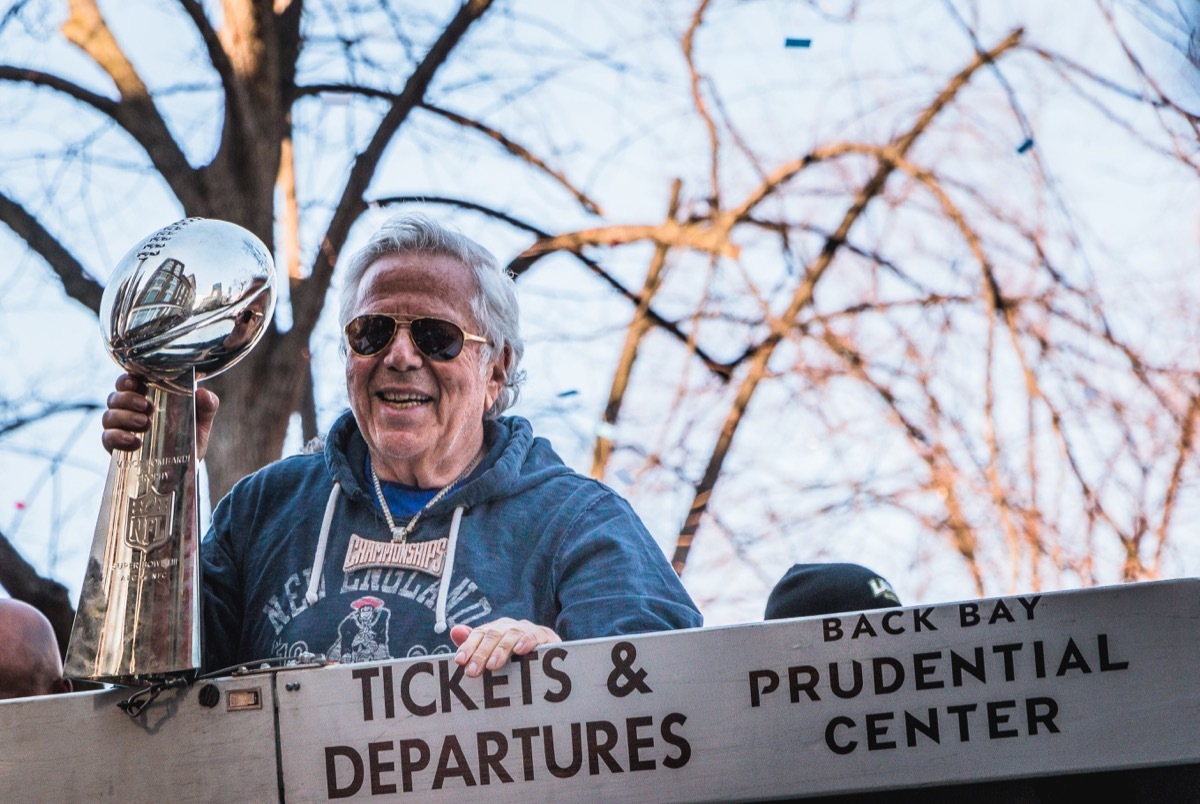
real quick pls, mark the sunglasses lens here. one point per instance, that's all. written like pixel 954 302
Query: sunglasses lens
pixel 370 334
pixel 437 339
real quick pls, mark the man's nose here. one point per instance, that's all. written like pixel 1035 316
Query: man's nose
pixel 402 354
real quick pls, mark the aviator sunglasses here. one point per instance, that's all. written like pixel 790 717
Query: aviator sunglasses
pixel 437 339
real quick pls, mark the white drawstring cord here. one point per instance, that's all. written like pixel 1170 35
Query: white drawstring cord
pixel 444 584
pixel 314 580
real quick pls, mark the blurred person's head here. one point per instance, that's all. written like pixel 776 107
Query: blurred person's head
pixel 29 660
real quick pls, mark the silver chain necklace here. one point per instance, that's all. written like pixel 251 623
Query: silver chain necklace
pixel 401 534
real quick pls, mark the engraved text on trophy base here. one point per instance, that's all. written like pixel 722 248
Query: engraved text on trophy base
pixel 150 569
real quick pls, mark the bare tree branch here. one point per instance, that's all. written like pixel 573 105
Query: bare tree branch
pixel 307 306
pixel 106 106
pixel 136 112
pixel 212 43
pixel 505 141
pixel 669 234
pixel 804 294
pixel 524 262
pixel 52 409
pixel 932 452
pixel 521 152
pixel 638 328
pixel 1184 452
pixel 714 141
pixel 77 283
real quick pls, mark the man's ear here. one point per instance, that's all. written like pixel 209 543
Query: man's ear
pixel 504 363
pixel 497 375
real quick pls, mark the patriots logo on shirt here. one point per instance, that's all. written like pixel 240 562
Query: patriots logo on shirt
pixel 363 633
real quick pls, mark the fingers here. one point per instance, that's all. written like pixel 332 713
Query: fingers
pixel 129 411
pixel 206 405
pixel 491 645
pixel 459 633
pixel 206 411
pixel 127 415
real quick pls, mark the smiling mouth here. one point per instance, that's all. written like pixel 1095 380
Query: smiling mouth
pixel 404 400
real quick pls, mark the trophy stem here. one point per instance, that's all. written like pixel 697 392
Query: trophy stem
pixel 139 609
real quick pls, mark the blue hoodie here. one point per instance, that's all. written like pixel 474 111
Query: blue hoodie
pixel 534 540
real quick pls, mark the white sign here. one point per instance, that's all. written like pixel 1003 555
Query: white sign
pixel 1006 688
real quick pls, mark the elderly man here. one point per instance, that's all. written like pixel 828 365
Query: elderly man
pixel 29 660
pixel 430 524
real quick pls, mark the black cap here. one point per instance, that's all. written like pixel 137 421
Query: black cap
pixel 810 589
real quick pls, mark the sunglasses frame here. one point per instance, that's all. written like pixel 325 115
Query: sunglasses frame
pixel 406 322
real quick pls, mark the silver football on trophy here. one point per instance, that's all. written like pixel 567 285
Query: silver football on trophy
pixel 196 294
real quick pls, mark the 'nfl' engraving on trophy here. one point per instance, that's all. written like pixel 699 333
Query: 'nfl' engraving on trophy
pixel 150 517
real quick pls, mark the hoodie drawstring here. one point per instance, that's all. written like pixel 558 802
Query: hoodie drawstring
pixel 447 569
pixel 314 580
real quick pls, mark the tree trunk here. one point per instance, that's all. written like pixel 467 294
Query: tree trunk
pixel 258 397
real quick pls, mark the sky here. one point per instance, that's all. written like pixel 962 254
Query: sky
pixel 853 80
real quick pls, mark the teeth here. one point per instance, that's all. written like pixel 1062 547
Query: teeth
pixel 403 399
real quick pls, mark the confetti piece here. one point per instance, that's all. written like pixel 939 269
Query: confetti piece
pixel 565 394
pixel 1025 146
pixel 789 42
pixel 20 505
